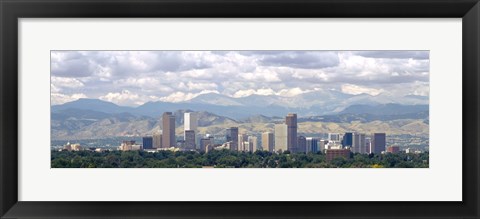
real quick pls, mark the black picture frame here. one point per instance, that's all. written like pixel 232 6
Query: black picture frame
pixel 12 10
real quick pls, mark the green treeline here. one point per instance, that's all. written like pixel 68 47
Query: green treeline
pixel 230 159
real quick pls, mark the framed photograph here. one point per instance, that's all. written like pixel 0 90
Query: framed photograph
pixel 169 109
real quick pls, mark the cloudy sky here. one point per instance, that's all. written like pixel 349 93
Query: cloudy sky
pixel 132 78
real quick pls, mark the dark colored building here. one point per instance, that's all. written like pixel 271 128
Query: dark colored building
pixel 128 142
pixel 190 139
pixel 232 136
pixel 347 139
pixel 147 143
pixel 378 143
pixel 206 142
pixel 292 141
pixel 302 144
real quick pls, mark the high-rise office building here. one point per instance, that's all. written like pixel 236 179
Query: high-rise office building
pixel 292 141
pixel 359 145
pixel 190 139
pixel 157 140
pixel 247 145
pixel 168 138
pixel 232 136
pixel 311 145
pixel 190 121
pixel 147 142
pixel 242 138
pixel 280 137
pixel 252 140
pixel 347 139
pixel 378 143
pixel 205 142
pixel 267 141
pixel 190 130
pixel 301 144
pixel 368 145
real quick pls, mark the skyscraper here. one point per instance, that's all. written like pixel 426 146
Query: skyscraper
pixel 347 139
pixel 252 143
pixel 206 142
pixel 246 145
pixel 302 144
pixel 359 145
pixel 241 142
pixel 368 145
pixel 157 140
pixel 147 142
pixel 232 135
pixel 190 122
pixel 378 143
pixel 168 138
pixel 189 130
pixel 312 145
pixel 190 139
pixel 267 141
pixel 292 141
pixel 280 137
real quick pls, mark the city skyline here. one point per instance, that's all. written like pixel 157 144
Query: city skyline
pixel 284 108
pixel 284 138
pixel 132 78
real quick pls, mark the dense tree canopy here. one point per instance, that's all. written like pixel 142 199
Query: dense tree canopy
pixel 230 159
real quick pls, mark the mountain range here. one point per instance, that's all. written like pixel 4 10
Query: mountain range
pixel 308 104
pixel 93 118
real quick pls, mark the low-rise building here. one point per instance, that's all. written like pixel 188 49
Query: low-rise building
pixel 393 149
pixel 334 153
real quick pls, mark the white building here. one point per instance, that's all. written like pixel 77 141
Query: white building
pixel 333 145
pixel 267 141
pixel 72 147
pixel 368 145
pixel 190 122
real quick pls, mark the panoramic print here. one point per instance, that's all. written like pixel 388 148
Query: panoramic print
pixel 240 109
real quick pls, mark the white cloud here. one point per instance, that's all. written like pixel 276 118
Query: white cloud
pixel 182 75
pixel 66 82
pixel 291 92
pixel 262 91
pixel 261 75
pixel 355 89
pixel 142 82
pixel 122 98
pixel 54 89
pixel 190 86
pixel 57 98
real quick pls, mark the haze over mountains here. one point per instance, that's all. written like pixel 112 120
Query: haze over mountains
pixel 308 104
pixel 318 111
